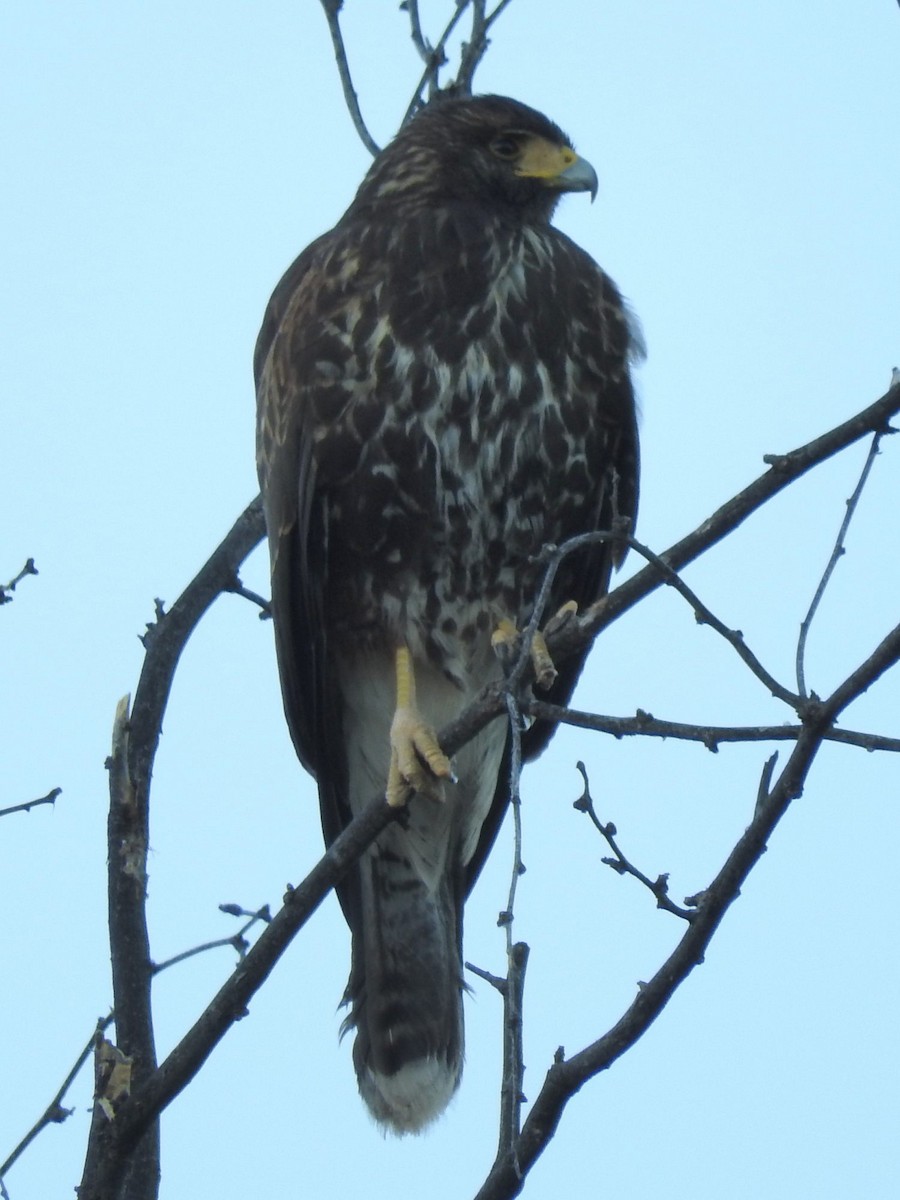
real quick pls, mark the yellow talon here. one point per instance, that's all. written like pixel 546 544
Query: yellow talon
pixel 505 639
pixel 544 670
pixel 561 617
pixel 417 762
pixel 505 636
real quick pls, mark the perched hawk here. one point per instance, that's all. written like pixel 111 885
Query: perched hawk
pixel 443 387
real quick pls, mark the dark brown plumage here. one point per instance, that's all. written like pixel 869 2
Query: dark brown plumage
pixel 443 388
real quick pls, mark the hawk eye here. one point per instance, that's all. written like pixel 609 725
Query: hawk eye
pixel 505 147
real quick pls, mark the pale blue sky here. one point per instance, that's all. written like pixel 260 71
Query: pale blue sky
pixel 162 165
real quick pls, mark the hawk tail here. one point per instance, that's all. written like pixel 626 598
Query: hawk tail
pixel 406 990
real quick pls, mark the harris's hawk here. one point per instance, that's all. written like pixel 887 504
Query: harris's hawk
pixel 443 388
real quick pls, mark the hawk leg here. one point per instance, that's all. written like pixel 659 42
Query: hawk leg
pixel 418 764
pixel 505 640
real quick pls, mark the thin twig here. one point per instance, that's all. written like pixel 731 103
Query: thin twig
pixel 431 73
pixel 6 589
pixel 415 31
pixel 764 790
pixel 704 616
pixel 496 981
pixel 498 11
pixel 237 941
pixel 54 1113
pixel 435 57
pixel 236 587
pixel 644 724
pixel 475 49
pixel 513 1070
pixel 659 887
pixel 836 554
pixel 332 10
pixel 515 775
pixel 512 1095
pixel 472 50
pixel 50 798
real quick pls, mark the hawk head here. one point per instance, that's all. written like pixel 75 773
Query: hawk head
pixel 482 150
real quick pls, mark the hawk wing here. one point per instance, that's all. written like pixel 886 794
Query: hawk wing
pixel 297 522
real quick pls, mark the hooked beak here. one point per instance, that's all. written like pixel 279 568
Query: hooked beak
pixel 579 177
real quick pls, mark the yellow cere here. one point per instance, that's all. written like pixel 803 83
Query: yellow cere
pixel 543 160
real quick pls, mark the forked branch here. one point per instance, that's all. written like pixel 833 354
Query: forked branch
pixel 565 1077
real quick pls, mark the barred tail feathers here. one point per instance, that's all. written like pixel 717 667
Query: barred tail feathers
pixel 408 1013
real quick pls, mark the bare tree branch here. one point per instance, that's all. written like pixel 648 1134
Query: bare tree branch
pixel 127 844
pixel 564 1078
pixel 54 1113
pixel 704 616
pixel 237 941
pixel 644 724
pixel 435 57
pixel 783 470
pixel 7 589
pixel 512 991
pixel 498 12
pixel 836 554
pixel 138 1112
pixel 415 30
pixel 430 76
pixel 50 798
pixel 474 49
pixel 237 588
pixel 332 10
pixel 135 741
pixel 659 887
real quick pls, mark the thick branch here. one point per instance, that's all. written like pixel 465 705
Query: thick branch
pixel 135 741
pixel 168 636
